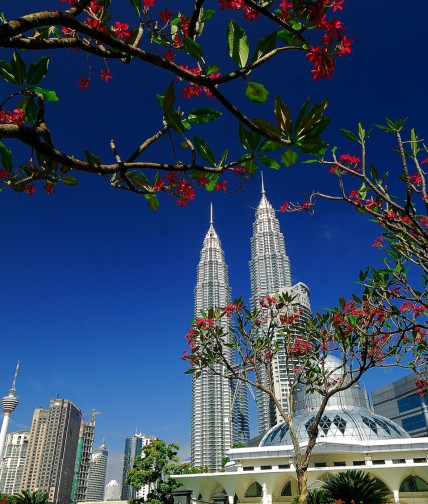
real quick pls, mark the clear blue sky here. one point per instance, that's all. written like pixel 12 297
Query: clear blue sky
pixel 97 291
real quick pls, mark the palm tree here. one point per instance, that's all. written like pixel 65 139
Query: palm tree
pixel 31 497
pixel 356 487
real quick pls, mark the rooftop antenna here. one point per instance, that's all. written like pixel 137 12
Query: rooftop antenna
pixel 263 184
pixel 211 213
pixel 13 389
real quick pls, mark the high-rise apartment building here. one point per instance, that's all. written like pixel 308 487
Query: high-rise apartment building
pixel 133 447
pixel 49 464
pixel 12 462
pixel 8 405
pixel 400 402
pixel 83 458
pixel 270 273
pixel 213 405
pixel 97 474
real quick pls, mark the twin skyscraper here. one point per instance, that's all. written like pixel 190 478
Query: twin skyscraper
pixel 220 413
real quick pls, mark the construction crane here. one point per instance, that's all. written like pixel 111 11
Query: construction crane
pixel 92 413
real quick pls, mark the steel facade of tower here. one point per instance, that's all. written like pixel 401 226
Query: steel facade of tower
pixel 219 417
pixel 51 454
pixel 269 273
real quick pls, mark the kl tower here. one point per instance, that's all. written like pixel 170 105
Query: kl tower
pixel 8 405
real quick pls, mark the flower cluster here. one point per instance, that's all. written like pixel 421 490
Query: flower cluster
pixel 422 385
pixel 178 186
pixel 238 5
pixel 298 347
pixel 291 319
pixel 16 117
pixel 412 309
pixel 231 309
pixel 268 301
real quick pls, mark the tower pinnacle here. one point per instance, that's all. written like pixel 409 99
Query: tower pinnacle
pixel 263 184
pixel 211 214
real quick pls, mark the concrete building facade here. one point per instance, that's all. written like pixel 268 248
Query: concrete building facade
pixel 12 462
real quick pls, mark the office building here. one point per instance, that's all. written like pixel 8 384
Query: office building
pixel 12 462
pixel 400 402
pixel 97 474
pixel 133 447
pixel 50 461
pixel 212 422
pixel 270 273
pixel 8 405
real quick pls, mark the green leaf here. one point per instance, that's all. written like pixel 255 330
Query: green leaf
pixel 93 159
pixel 282 115
pixel 208 14
pixel 169 97
pixel 203 115
pixel 290 38
pixel 152 201
pixel 6 157
pixel 311 118
pixel 136 4
pixel 318 128
pixel 47 95
pixel 204 151
pixel 268 128
pixel 250 166
pixel 213 179
pixel 237 43
pixel 248 139
pixel 223 158
pixel 310 145
pixel 37 70
pixel 289 158
pixel 212 69
pixel 6 72
pixel 269 162
pixel 18 68
pixel 69 180
pixel 31 110
pixel 270 146
pixel 256 92
pixel 373 172
pixel 192 48
pixel 264 46
pixel 349 135
pixel 173 120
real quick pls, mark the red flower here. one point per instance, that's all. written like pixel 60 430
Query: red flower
pixel 30 189
pixel 4 174
pixel 121 30
pixel 165 16
pixel 378 242
pixel 106 75
pixel 284 206
pixel 344 46
pixel 49 188
pixel 221 185
pixel 202 181
pixel 83 83
pixel 250 14
pixel 149 3
pixel 169 55
pixel 415 179
pixel 336 4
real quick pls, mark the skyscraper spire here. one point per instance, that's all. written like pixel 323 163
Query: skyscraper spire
pixel 211 214
pixel 8 404
pixel 212 429
pixel 263 184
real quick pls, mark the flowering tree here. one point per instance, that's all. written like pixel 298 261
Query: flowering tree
pixel 386 325
pixel 175 44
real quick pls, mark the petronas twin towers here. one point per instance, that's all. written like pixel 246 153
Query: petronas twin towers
pixel 220 415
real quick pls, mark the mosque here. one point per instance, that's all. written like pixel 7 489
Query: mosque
pixel 351 436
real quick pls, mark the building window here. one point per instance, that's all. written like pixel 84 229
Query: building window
pixel 266 467
pixel 254 490
pixel 358 462
pixel 248 468
pixel 409 403
pixel 420 460
pixel 286 490
pixel 284 466
pixel 398 461
pixel 339 464
pixel 414 484
pixel 320 464
pixel 414 422
pixel 378 462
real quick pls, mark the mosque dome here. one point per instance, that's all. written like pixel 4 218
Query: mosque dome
pixel 347 416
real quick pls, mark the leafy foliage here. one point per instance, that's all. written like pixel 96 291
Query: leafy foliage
pixel 356 486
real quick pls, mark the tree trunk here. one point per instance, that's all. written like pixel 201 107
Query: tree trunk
pixel 302 482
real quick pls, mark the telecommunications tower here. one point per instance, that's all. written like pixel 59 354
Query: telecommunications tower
pixel 8 405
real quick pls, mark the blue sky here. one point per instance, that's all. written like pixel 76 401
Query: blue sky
pixel 97 290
